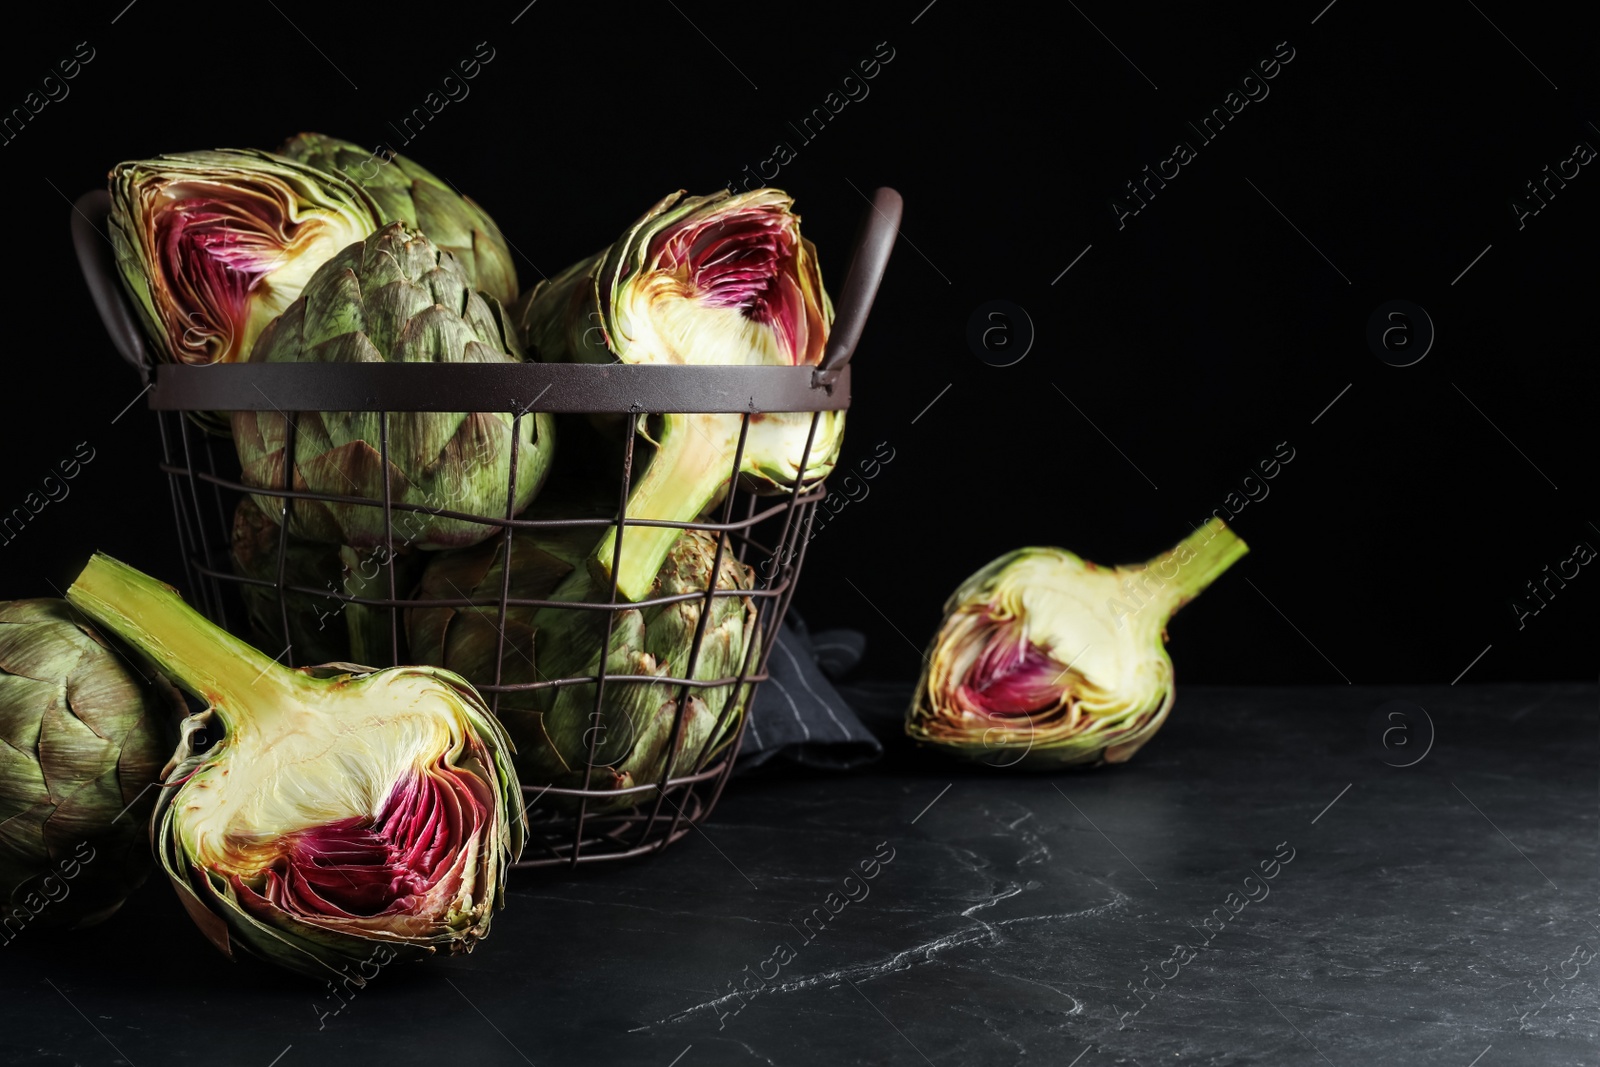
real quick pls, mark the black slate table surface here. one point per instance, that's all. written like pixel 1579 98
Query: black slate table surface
pixel 1431 900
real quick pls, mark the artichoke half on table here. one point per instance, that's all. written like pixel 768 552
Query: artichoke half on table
pixel 315 815
pixel 1046 660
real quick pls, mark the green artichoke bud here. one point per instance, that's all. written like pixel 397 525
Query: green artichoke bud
pixel 340 810
pixel 393 298
pixel 84 740
pixel 212 246
pixel 375 631
pixel 406 192
pixel 323 626
pixel 632 729
pixel 1045 659
pixel 467 639
pixel 316 630
pixel 719 279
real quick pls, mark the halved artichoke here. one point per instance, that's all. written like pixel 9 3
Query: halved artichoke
pixel 339 810
pixel 719 279
pixel 1045 659
pixel 213 245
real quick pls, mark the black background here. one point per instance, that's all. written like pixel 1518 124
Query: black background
pixel 1196 338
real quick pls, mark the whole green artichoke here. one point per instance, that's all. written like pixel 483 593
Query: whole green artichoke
pixel 85 740
pixel 633 727
pixel 408 193
pixel 467 639
pixel 393 297
pixel 323 626
pixel 316 630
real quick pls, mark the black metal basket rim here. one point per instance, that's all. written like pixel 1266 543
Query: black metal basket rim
pixel 815 493
pixel 516 388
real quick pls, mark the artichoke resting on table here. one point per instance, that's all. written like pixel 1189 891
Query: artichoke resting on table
pixel 340 810
pixel 1045 659
pixel 84 737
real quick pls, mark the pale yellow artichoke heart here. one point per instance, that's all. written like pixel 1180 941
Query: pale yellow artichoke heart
pixel 1063 609
pixel 317 763
pixel 659 315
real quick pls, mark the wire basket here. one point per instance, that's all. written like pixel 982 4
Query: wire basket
pixel 768 534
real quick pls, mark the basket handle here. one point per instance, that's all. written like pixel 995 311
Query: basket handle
pixel 874 241
pixel 89 214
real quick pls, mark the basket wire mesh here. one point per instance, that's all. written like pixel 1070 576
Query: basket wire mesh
pixel 765 533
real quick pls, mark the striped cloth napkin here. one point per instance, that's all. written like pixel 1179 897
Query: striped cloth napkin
pixel 798 716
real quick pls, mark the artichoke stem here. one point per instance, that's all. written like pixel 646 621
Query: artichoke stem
pixel 687 470
pixel 1182 573
pixel 200 656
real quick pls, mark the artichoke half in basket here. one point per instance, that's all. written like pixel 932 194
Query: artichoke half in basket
pixel 702 280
